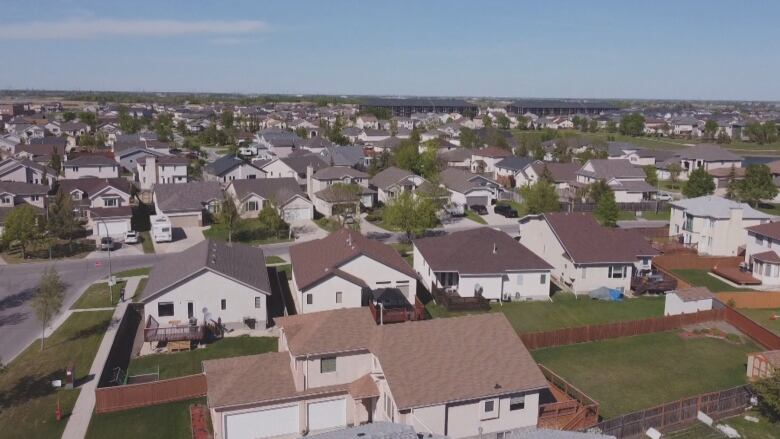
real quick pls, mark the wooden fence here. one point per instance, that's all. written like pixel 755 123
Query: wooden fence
pixel 679 414
pixel 644 206
pixel 583 334
pixel 111 399
pixel 756 300
pixel 686 261
pixel 758 333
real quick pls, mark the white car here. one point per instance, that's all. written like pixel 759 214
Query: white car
pixel 663 196
pixel 131 237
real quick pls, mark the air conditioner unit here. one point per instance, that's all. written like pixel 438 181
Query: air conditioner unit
pixel 518 296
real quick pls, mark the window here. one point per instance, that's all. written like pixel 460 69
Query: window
pixel 490 409
pixel 584 273
pixel 258 302
pixel 164 309
pixel 34 197
pixel 223 304
pixel 516 403
pixel 384 282
pixel 251 206
pixel 327 364
pixel 5 200
pixel 338 296
pixel 543 279
pixel 617 271
pixel 759 240
pixel 110 202
pixel 309 299
pixel 519 279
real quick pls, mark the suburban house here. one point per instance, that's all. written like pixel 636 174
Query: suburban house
pixel 321 191
pixel 94 165
pixel 511 171
pixel 367 121
pixel 293 167
pixel 761 252
pixel 467 189
pixel 189 204
pixel 392 181
pixel 210 282
pixel 562 175
pixel 344 269
pixel 713 225
pixel 13 193
pixel 103 202
pixel 484 160
pixel 129 156
pixel 339 368
pixel 350 156
pixel 586 256
pixel 626 180
pixel 456 158
pixel 706 156
pixel 482 262
pixel 284 193
pixel 229 168
pixel 152 170
pixel 26 171
pixel 630 152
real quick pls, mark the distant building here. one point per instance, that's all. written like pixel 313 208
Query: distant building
pixel 406 107
pixel 546 107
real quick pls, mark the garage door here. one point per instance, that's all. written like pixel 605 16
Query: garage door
pixel 327 414
pixel 115 228
pixel 483 201
pixel 185 221
pixel 297 213
pixel 262 423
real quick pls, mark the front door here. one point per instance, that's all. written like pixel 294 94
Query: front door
pixel 190 310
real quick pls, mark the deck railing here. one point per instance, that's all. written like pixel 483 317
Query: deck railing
pixel 153 332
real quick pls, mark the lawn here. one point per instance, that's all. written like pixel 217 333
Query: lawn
pixel 669 186
pixel 772 209
pixel 188 363
pixel 97 296
pixel 162 421
pixel 405 249
pixel 625 215
pixel 474 216
pixel 702 278
pixel 140 287
pixel 661 215
pixel 287 268
pixel 249 231
pixel 633 373
pixel 144 271
pixel 514 205
pixel 60 249
pixel 749 430
pixel 762 317
pixel 274 260
pixel 27 399
pixel 146 242
pixel 327 224
pixel 567 311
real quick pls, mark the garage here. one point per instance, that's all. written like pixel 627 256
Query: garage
pixel 327 414
pixel 482 201
pixel 262 423
pixel 116 228
pixel 185 221
pixel 297 213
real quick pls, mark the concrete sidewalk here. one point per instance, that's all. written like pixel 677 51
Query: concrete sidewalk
pixel 78 422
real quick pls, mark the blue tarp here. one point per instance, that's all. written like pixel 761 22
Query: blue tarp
pixel 604 293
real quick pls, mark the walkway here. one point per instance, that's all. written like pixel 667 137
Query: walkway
pixel 78 421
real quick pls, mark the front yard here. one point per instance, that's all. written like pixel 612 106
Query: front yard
pixel 567 311
pixel 27 398
pixel 172 365
pixel 474 216
pixel 633 373
pixel 97 295
pixel 161 421
pixel 702 278
pixel 37 252
pixel 250 231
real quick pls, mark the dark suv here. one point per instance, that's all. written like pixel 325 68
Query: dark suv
pixel 479 209
pixel 505 210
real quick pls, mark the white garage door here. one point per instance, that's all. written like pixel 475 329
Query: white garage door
pixel 115 228
pixel 482 201
pixel 327 414
pixel 297 213
pixel 262 423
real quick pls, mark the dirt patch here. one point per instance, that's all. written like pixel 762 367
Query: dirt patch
pixel 719 330
pixel 199 416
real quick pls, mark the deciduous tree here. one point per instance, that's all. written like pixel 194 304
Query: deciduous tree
pixel 229 215
pixel 632 125
pixel 540 197
pixel 768 390
pixel 756 186
pixel 21 225
pixel 699 183
pixel 607 211
pixel 47 300
pixel 651 175
pixel 410 213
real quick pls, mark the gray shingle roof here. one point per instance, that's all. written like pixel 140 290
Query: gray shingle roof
pixel 21 188
pixel 278 190
pixel 184 197
pixel 338 173
pixel 514 163
pixel 708 152
pixel 607 169
pixel 388 177
pixel 462 181
pixel 224 164
pixel 712 206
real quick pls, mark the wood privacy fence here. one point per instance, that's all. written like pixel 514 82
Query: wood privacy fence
pixel 679 414
pixel 758 333
pixel 583 334
pixel 111 399
pixel 756 300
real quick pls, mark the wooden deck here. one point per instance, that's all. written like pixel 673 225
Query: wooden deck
pixel 154 332
pixel 734 274
pixel 565 407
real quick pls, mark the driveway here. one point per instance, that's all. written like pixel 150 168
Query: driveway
pixel 306 230
pixel 494 219
pixel 183 238
pixel 119 250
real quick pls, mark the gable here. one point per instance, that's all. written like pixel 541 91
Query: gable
pixel 366 267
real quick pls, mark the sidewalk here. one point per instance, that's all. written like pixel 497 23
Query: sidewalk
pixel 78 422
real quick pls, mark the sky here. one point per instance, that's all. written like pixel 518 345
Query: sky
pixel 680 49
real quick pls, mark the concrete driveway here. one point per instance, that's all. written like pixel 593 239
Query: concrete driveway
pixel 495 219
pixel 306 230
pixel 120 249
pixel 183 238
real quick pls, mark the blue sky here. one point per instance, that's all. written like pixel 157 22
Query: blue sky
pixel 599 49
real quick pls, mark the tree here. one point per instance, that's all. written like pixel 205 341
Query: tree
pixel 227 119
pixel 487 122
pixel 503 122
pixel 410 213
pixel 699 183
pixel 428 163
pixel 62 221
pixel 731 189
pixel 468 138
pixel 21 225
pixel 89 118
pixel 651 175
pixel 596 190
pixel 347 200
pixel 229 215
pixel 611 126
pixel 756 186
pixel 393 127
pixel 540 197
pixel 68 116
pixel 768 390
pixel 607 211
pixel 710 129
pixel 593 125
pixel 271 221
pixel 407 156
pixel 674 172
pixel 761 133
pixel 47 300
pixel 56 162
pixel 522 123
pixel 632 125
pixel 723 138
pixel 302 132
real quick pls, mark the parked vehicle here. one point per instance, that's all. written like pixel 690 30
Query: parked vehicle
pixel 664 196
pixel 478 209
pixel 161 231
pixel 506 210
pixel 132 237
pixel 106 243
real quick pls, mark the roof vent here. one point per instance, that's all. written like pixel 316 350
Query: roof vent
pixel 497 386
pixel 495 248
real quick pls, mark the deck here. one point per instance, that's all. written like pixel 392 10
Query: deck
pixel 735 274
pixel 153 332
pixel 398 315
pixel 565 407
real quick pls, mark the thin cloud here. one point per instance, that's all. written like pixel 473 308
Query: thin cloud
pixel 91 28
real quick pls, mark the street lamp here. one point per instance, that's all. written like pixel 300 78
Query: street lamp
pixel 110 280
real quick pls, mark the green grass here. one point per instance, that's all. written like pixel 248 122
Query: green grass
pixel 274 260
pixel 470 214
pixel 567 311
pixel 513 204
pixel 245 232
pixel 162 421
pixel 762 317
pixel 327 224
pixel 633 373
pixel 134 272
pixel 625 215
pixel 668 186
pixel 178 364
pixel 772 209
pixel 140 287
pixel 287 268
pixel 27 399
pixel 405 249
pixel 97 296
pixel 764 429
pixel 702 278
pixel 661 215
pixel 146 242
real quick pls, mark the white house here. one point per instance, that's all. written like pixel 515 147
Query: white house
pixel 483 262
pixel 706 156
pixel 191 204
pixel 688 301
pixel 284 194
pixel 320 188
pixel 467 189
pixel 626 180
pixel 163 170
pixel 26 171
pixel 484 160
pixel 367 121
pixel 761 252
pixel 293 167
pixel 229 168
pixel 90 166
pixel 392 181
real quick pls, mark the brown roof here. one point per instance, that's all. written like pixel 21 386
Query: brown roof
pixel 492 151
pixel 560 172
pixel 773 357
pixel 324 332
pixel 587 242
pixel 248 379
pixel 478 251
pixel 767 256
pixel 315 260
pixel 363 387
pixel 694 293
pixel 770 230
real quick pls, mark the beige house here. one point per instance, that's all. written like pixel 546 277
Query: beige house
pixel 90 166
pixel 284 193
pixel 153 170
pixel 338 368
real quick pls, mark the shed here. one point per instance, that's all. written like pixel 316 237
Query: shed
pixel 688 301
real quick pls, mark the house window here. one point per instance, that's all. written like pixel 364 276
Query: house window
pixel 34 197
pixel 258 302
pixel 309 299
pixel 223 304
pixel 519 279
pixel 384 282
pixel 338 296
pixel 516 403
pixel 617 271
pixel 165 309
pixel 759 240
pixel 110 202
pixel 584 272
pixel 5 200
pixel 490 409
pixel 543 279
pixel 251 206
pixel 327 364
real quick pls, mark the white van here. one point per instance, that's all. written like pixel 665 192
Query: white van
pixel 161 228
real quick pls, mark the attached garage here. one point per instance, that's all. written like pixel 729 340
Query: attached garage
pixel 262 423
pixel 327 414
pixel 473 200
pixel 115 228
pixel 186 221
pixel 297 213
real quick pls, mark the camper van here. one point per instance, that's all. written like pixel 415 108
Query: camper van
pixel 161 228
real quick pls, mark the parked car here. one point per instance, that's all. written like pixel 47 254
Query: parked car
pixel 131 237
pixel 106 243
pixel 478 209
pixel 506 210
pixel 664 196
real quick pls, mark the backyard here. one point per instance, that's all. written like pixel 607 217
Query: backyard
pixel 27 398
pixel 250 231
pixel 633 373
pixel 172 365
pixel 703 278
pixel 763 429
pixel 764 318
pixel 161 421
pixel 567 311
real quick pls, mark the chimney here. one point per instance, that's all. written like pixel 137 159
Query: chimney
pixel 309 174
pixel 735 215
pixel 495 248
pixel 151 167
